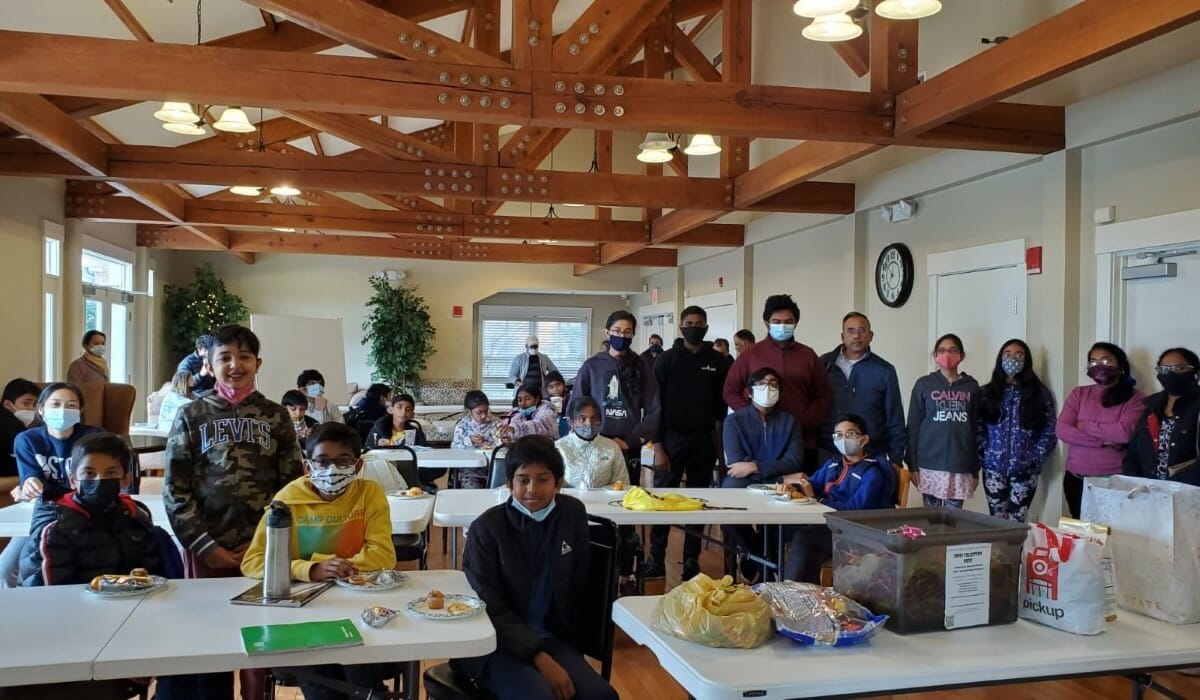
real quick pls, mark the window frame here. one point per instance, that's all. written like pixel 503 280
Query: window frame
pixel 531 316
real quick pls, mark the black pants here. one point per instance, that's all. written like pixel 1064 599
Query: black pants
pixel 1073 492
pixel 633 463
pixel 510 678
pixel 811 545
pixel 362 675
pixel 692 455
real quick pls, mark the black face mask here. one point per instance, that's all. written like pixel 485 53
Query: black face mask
pixel 1177 384
pixel 693 335
pixel 98 494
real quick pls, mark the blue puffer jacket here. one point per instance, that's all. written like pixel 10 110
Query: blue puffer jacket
pixel 869 485
pixel 873 392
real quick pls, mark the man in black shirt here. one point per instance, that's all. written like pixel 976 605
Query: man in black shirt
pixel 690 377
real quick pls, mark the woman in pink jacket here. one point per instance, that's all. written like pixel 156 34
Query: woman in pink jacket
pixel 1097 421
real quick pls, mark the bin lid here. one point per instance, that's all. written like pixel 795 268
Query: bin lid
pixel 942 527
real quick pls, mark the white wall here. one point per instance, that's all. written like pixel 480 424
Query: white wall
pixel 24 203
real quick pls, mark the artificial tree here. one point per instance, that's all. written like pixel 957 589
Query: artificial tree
pixel 195 309
pixel 398 332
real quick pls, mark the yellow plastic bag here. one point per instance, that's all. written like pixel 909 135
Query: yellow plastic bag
pixel 638 498
pixel 714 613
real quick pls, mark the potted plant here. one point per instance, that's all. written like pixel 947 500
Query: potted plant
pixel 398 332
pixel 195 309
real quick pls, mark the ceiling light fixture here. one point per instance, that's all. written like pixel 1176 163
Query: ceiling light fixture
pixel 177 113
pixel 908 9
pixel 702 145
pixel 655 155
pixel 285 191
pixel 832 28
pixel 246 190
pixel 284 229
pixel 823 8
pixel 186 129
pixel 234 120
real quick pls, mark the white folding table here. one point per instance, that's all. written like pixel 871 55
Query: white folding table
pixel 192 628
pixel 458 508
pixel 52 633
pixel 409 516
pixel 894 664
pixel 436 459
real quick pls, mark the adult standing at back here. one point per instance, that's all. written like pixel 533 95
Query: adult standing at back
pixel 651 354
pixel 90 367
pixel 530 367
pixel 626 390
pixel 864 384
pixel 804 384
pixel 690 377
pixel 197 364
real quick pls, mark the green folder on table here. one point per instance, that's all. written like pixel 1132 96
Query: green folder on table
pixel 301 636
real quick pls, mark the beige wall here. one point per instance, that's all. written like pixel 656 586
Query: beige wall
pixel 24 203
pixel 336 287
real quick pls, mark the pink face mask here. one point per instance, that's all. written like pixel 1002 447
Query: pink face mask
pixel 948 362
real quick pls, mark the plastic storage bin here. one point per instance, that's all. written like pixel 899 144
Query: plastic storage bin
pixel 938 580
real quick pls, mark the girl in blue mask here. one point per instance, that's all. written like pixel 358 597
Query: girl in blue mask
pixel 1018 417
pixel 532 415
pixel 44 458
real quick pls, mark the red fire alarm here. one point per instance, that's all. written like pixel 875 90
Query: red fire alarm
pixel 456 312
pixel 1033 260
pixel 721 282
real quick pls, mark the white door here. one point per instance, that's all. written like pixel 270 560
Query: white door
pixel 984 308
pixel 722 314
pixel 656 318
pixel 1160 314
pixel 107 311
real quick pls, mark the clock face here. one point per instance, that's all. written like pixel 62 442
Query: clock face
pixel 894 275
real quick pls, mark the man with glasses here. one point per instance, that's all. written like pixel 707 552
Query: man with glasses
pixel 864 384
pixel 804 383
pixel 530 367
pixel 690 378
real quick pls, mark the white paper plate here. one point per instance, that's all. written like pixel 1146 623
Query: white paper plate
pixel 159 583
pixel 793 501
pixel 405 496
pixel 420 607
pixel 399 578
pixel 761 488
pixel 616 492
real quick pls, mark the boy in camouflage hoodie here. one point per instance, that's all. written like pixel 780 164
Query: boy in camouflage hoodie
pixel 228 453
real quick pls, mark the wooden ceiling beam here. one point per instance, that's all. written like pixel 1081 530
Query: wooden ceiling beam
pixel 532 32
pixel 40 120
pixel 1082 34
pixel 377 31
pixel 796 165
pixel 273 131
pixel 893 54
pixel 668 227
pixel 721 235
pixel 129 20
pixel 376 138
pixel 736 52
pixel 423 10
pixel 692 58
pixel 856 53
pixel 485 147
pixel 393 247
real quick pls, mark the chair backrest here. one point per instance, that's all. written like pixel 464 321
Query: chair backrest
pixel 903 479
pixel 406 466
pixel 108 405
pixel 384 471
pixel 596 638
pixel 497 477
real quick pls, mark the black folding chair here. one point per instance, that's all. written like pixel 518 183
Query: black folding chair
pixel 596 640
pixel 497 477
pixel 410 547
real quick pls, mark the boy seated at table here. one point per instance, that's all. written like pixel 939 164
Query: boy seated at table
pixel 89 531
pixel 390 431
pixel 527 559
pixel 478 430
pixel 556 394
pixel 341 525
pixel 762 444
pixel 852 481
pixel 297 408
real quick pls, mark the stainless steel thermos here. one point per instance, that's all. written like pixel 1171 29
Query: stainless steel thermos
pixel 277 574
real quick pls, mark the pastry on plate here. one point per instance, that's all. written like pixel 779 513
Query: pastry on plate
pixel 436 600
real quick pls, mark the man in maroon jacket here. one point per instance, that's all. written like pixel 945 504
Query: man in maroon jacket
pixel 804 390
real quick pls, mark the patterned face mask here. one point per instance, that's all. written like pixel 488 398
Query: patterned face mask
pixel 331 478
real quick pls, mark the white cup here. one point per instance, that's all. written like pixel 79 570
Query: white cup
pixel 410 437
pixel 557 403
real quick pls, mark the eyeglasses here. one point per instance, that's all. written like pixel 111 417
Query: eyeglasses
pixel 948 351
pixel 767 383
pixel 855 332
pixel 331 463
pixel 1174 369
pixel 623 334
pixel 849 434
pixel 1106 361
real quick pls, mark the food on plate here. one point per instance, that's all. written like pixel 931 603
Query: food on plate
pixel 416 491
pixel 618 486
pixel 458 608
pixel 139 572
pixel 436 600
pixel 120 582
pixel 357 580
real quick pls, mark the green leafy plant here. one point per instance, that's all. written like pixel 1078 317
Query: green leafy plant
pixel 398 332
pixel 197 308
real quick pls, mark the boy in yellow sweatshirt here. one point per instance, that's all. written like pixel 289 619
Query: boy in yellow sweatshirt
pixel 340 525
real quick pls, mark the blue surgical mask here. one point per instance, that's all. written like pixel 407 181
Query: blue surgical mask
pixel 315 390
pixel 782 331
pixel 585 431
pixel 619 342
pixel 527 413
pixel 538 516
pixel 59 418
pixel 99 351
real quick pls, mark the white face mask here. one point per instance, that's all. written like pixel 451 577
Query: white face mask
pixel 99 350
pixel 332 479
pixel 850 447
pixel 25 415
pixel 764 396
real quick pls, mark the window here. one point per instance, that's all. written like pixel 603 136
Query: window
pixel 49 342
pixel 53 256
pixel 52 286
pixel 103 271
pixel 562 336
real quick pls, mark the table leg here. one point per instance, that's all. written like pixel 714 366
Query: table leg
pixel 412 680
pixel 779 555
pixel 454 548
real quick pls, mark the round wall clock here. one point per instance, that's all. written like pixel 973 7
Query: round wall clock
pixel 894 275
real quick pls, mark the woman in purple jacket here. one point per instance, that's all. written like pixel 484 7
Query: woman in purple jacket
pixel 1097 420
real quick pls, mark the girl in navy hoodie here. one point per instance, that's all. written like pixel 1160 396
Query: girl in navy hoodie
pixel 943 429
pixel 626 390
